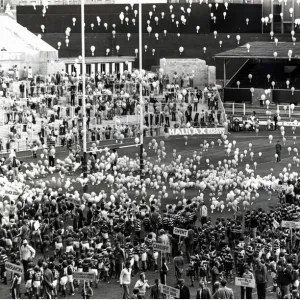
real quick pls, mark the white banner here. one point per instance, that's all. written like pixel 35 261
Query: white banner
pixel 180 231
pixel 291 124
pixel 4 55
pixel 14 268
pixel 196 131
pixel 161 247
pixel 290 224
pixel 170 291
pixel 247 282
pixel 12 194
pixel 88 276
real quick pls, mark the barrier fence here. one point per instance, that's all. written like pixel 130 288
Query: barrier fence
pixel 234 108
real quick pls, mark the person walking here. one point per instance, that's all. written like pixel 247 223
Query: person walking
pixel 278 152
pixel 248 290
pixel 178 264
pixel 27 253
pixel 261 279
pixel 184 290
pixel 284 279
pixel 142 285
pixel 203 292
pixel 155 292
pixel 15 164
pixel 224 292
pixel 47 281
pixel 87 292
pixel 125 280
pixel 275 119
pixel 52 156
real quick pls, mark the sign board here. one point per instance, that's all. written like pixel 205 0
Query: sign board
pixel 161 247
pixel 290 224
pixel 88 276
pixel 14 268
pixel 287 124
pixel 169 291
pixel 180 231
pixel 196 131
pixel 12 194
pixel 247 282
pixel 74 201
pixel 291 124
pixel 4 55
pixel 128 119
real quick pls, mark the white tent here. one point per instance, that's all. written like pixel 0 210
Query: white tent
pixel 20 47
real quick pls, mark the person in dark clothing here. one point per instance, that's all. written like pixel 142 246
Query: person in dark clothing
pixel 261 279
pixel 163 271
pixel 184 290
pixel 278 152
pixel 284 279
pixel 254 224
pixel 275 119
pixel 203 292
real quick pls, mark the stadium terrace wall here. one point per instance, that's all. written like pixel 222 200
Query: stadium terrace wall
pixel 285 96
pixel 234 95
pixel 58 18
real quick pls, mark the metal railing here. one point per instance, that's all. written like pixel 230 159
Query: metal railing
pixel 287 111
pixel 236 107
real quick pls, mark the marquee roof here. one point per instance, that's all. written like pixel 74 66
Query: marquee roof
pixel 263 50
pixel 16 38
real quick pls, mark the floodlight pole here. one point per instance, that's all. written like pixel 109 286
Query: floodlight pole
pixel 142 104
pixel 84 163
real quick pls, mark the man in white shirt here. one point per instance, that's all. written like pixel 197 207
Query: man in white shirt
pixel 125 280
pixel 203 214
pixel 27 253
pixel 142 285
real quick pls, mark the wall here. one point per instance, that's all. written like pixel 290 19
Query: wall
pixel 58 18
pixel 286 96
pixel 187 66
pixel 165 47
pixel 36 60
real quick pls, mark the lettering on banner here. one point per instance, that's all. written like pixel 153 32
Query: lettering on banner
pixel 180 231
pixel 196 131
pixel 290 224
pixel 246 282
pixel 161 247
pixel 11 193
pixel 88 276
pixel 14 268
pixel 170 291
pixel 291 124
pixel 11 55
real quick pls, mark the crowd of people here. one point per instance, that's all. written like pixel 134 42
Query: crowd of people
pixel 49 108
pixel 54 233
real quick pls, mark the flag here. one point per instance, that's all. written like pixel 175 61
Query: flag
pixel 275 224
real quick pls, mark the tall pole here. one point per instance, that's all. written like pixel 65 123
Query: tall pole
pixel 142 104
pixel 84 164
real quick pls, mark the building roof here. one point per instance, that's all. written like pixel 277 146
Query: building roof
pixel 263 50
pixel 101 59
pixel 17 38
